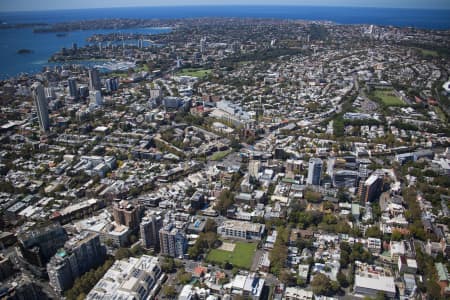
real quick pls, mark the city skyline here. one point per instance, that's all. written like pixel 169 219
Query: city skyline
pixel 27 5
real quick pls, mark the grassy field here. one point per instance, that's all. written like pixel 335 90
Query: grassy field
pixel 428 52
pixel 194 72
pixel 241 257
pixel 219 155
pixel 388 98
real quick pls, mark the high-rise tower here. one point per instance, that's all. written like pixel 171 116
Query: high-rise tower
pixel 37 90
pixel 94 80
pixel 314 171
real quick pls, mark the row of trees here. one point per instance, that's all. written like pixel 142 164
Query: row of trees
pixel 85 283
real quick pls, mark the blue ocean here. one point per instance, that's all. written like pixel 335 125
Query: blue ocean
pixel 44 45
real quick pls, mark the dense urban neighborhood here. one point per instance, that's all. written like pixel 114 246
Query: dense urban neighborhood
pixel 229 158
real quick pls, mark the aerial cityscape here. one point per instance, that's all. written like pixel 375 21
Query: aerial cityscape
pixel 290 150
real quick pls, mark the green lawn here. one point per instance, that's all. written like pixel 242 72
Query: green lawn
pixel 241 257
pixel 219 155
pixel 194 72
pixel 388 98
pixel 428 52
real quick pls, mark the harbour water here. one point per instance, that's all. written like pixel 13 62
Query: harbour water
pixel 44 45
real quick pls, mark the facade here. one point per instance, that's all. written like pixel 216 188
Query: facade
pixel 41 104
pixel 78 256
pixel 133 278
pixel 173 241
pixel 126 213
pixel 94 80
pixel 241 230
pixel 149 229
pixel 314 171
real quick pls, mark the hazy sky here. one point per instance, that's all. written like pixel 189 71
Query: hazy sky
pixel 15 5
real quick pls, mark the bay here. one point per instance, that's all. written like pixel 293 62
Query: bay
pixel 44 45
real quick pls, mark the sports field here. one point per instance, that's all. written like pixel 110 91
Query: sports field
pixel 241 256
pixel 194 72
pixel 389 98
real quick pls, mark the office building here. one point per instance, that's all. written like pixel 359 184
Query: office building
pixel 72 84
pixel 127 213
pixel 78 256
pixel 314 171
pixel 132 278
pixel 94 80
pixel 41 104
pixel 241 230
pixel 173 241
pixel 149 229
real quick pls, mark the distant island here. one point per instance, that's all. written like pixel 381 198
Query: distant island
pixel 24 51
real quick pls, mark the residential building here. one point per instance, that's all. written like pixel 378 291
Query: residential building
pixel 79 255
pixel 37 91
pixel 94 80
pixel 370 189
pixel 72 84
pixel 149 229
pixel 38 246
pixel 127 213
pixel 173 241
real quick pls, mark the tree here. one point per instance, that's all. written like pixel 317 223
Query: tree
pixel 287 277
pixel 225 200
pixel 342 279
pixel 169 291
pixel 183 277
pixel 373 231
pixel 321 284
pixel 122 253
pixel 210 225
pixel 396 235
pixel 168 265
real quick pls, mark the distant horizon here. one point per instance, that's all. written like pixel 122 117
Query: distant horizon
pixel 223 5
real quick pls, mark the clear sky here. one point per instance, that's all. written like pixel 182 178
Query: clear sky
pixel 18 5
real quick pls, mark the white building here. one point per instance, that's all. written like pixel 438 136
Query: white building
pixel 241 230
pixel 371 286
pixel 294 293
pixel 134 278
